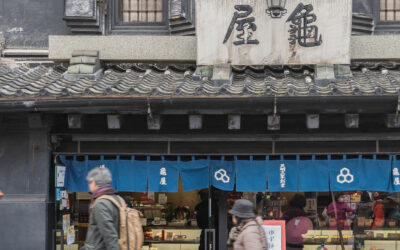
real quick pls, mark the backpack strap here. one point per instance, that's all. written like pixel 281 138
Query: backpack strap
pixel 121 204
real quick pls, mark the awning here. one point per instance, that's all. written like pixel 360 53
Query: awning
pixel 283 175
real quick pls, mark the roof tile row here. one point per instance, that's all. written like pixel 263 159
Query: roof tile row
pixel 177 81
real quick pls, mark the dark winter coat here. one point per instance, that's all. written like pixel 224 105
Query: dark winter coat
pixel 103 228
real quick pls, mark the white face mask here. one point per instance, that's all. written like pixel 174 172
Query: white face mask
pixel 341 200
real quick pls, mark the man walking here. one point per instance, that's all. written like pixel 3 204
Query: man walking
pixel 103 228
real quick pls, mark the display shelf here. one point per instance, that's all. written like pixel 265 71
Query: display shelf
pixel 327 244
pixel 82 224
pixel 172 227
pixel 329 247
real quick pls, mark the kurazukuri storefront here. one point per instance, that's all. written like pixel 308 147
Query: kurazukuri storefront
pixel 269 100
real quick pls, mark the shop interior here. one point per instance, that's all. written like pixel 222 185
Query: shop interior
pixel 371 221
pixel 169 219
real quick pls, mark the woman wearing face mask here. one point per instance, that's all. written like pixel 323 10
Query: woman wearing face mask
pixel 342 209
pixel 247 234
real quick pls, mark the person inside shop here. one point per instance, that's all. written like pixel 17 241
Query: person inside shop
pixel 297 223
pixel 296 208
pixel 341 214
pixel 201 210
pixel 263 205
pixel 364 211
pixel 103 227
pixel 393 210
pixel 247 234
pixel 379 214
pixel 1 194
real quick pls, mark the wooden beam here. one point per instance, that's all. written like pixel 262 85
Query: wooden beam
pixel 342 136
pixel 208 105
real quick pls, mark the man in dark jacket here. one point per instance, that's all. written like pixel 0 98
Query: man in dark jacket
pixel 202 216
pixel 103 228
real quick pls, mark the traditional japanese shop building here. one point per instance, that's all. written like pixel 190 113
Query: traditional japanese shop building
pixel 250 98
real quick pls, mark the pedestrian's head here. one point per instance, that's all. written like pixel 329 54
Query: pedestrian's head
pixel 298 201
pixel 99 177
pixel 339 197
pixel 241 210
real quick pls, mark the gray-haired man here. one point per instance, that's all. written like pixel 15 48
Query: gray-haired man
pixel 103 228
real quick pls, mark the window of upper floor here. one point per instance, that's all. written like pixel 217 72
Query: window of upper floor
pixel 389 11
pixel 138 16
pixel 387 16
pixel 130 16
pixel 142 11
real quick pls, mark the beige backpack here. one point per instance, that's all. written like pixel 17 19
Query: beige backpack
pixel 130 227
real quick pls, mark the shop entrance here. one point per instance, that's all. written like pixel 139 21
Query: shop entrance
pixel 340 219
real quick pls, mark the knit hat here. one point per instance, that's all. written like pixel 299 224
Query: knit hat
pixel 243 209
pixel 100 175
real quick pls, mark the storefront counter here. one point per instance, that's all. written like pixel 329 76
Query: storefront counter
pixel 329 247
pixel 329 237
pixel 173 239
pixel 382 244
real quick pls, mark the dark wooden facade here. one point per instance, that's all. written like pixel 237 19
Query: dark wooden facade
pixel 35 129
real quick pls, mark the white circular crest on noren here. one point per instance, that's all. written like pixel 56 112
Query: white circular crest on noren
pixel 345 176
pixel 222 175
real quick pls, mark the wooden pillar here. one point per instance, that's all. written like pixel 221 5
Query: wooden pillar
pixel 35 120
pixel 222 220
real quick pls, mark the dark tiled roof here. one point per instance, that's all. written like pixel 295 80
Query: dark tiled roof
pixel 158 80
